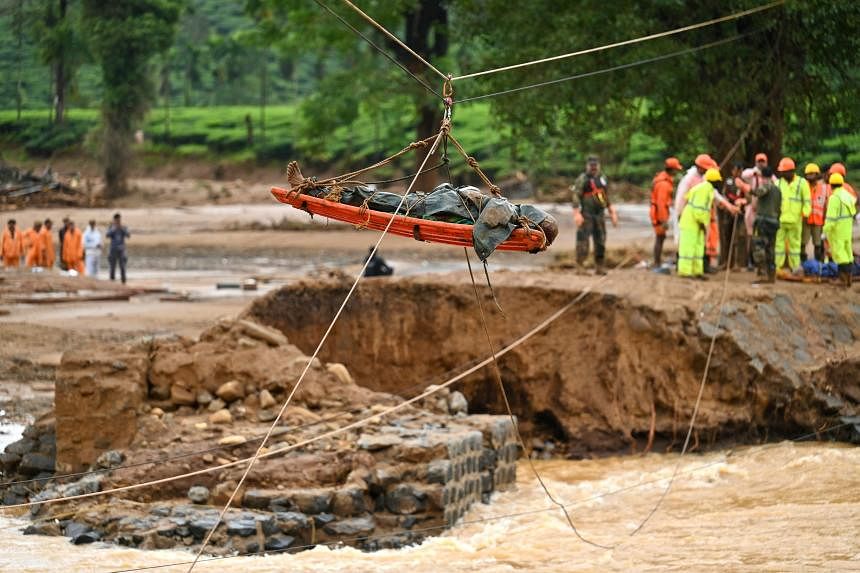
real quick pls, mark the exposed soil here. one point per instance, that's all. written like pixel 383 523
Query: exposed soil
pixel 629 356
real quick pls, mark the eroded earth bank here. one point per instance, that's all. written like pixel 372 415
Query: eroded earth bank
pixel 618 372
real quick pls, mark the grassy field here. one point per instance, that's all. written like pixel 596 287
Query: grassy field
pixel 221 134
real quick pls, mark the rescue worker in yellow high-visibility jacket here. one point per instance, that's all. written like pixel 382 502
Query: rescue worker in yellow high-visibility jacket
pixel 839 226
pixel 796 206
pixel 693 223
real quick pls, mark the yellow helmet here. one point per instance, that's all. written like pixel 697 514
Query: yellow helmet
pixel 713 175
pixel 812 168
pixel 836 179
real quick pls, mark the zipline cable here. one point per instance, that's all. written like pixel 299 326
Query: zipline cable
pixel 316 352
pixel 395 39
pixel 380 50
pixel 479 520
pixel 638 40
pixel 611 69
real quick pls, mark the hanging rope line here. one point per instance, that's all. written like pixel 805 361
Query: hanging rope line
pixel 395 39
pixel 638 40
pixel 711 347
pixel 476 521
pixel 514 423
pixel 611 69
pixel 316 352
pixel 391 58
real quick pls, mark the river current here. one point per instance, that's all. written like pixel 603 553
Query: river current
pixel 776 507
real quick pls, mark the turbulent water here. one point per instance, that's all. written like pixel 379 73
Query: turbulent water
pixel 778 507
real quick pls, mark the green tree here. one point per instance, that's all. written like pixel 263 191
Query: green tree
pixel 56 29
pixel 789 79
pixel 125 37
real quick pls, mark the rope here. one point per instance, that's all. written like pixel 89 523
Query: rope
pixel 498 374
pixel 310 360
pixel 734 16
pixel 611 69
pixel 395 39
pixel 337 431
pixel 378 49
pixel 476 521
pixel 473 163
pixel 701 385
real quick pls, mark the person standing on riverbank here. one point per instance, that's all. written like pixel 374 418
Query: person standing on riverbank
pixel 694 222
pixel 11 245
pixel 767 217
pixel 34 251
pixel 590 201
pixel 661 203
pixel 73 249
pixel 92 249
pixel 117 233
pixel 47 240
pixel 796 206
pixel 839 227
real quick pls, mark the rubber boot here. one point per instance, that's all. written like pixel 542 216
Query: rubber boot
pixel 819 254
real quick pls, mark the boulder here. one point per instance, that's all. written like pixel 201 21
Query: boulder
pixel 312 500
pixel 457 403
pixel 266 399
pixel 266 415
pixel 231 391
pixel 204 398
pixel 348 502
pixel 404 499
pixel 110 459
pixel 351 527
pixel 232 440
pixel 268 335
pixel 243 526
pixel 279 542
pixel 216 404
pixel 198 494
pixel 373 443
pixel 182 396
pixel 340 372
pixel 222 416
pixel 33 463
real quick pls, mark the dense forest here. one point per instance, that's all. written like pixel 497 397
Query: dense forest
pixel 268 80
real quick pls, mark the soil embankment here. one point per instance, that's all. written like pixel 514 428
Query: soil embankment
pixel 625 362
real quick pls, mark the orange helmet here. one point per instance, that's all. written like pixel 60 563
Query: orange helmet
pixel 786 164
pixel 704 161
pixel 673 163
pixel 838 168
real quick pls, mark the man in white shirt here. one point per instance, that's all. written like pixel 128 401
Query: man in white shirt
pixel 92 249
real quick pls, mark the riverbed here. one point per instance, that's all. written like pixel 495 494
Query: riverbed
pixel 776 507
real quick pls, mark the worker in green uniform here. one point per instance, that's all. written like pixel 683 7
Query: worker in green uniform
pixel 590 201
pixel 693 224
pixel 766 225
pixel 796 206
pixel 839 227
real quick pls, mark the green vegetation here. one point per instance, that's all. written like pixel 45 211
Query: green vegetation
pixel 273 80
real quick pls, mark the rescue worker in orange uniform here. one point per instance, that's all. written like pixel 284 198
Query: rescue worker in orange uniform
pixel 11 245
pixel 840 169
pixel 48 254
pixel 73 248
pixel 819 192
pixel 34 251
pixel 661 202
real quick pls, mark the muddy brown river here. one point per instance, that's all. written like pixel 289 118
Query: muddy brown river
pixel 778 507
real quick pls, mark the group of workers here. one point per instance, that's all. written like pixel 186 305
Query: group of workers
pixel 758 217
pixel 79 252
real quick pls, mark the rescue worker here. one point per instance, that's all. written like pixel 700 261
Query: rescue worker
pixel 34 252
pixel 11 245
pixel 839 227
pixel 753 178
pixel 73 249
pixel 694 175
pixel 819 192
pixel 60 234
pixel 47 239
pixel 693 224
pixel 796 206
pixel 661 203
pixel 117 233
pixel 840 169
pixel 737 193
pixel 590 201
pixel 767 220
pixel 29 236
pixel 92 249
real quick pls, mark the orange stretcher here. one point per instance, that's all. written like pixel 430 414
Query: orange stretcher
pixel 529 240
